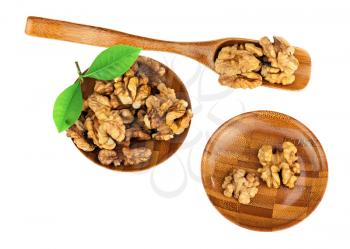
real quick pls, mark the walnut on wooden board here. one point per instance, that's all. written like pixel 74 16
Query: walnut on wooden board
pixel 279 166
pixel 240 184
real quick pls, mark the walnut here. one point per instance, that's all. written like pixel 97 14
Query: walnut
pixel 85 105
pixel 98 136
pixel 288 174
pixel 246 65
pixel 76 132
pixel 158 105
pixel 273 75
pixel 104 88
pixel 166 92
pixel 237 66
pixel 136 155
pixel 155 66
pixel 243 186
pixel 135 132
pixel 107 157
pixel 122 92
pixel 127 115
pixel 244 80
pixel 265 154
pixel 280 56
pixel 163 133
pixel 178 118
pixel 107 123
pixel 167 114
pixel 113 125
pixel 281 162
pixel 114 101
pixel 269 174
pixel 131 90
pixel 153 118
pixel 99 104
pixel 250 47
pixel 140 119
pixel 289 152
pixel 106 129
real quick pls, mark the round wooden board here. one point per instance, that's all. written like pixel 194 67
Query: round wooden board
pixel 235 145
pixel 161 150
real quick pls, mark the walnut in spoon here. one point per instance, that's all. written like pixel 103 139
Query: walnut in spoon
pixel 246 65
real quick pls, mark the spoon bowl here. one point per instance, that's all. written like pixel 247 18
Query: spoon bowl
pixel 204 52
pixel 161 150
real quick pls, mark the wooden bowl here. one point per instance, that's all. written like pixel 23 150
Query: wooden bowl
pixel 161 150
pixel 235 145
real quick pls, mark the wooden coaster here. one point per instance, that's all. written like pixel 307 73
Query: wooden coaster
pixel 235 145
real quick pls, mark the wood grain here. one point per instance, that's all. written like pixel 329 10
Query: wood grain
pixel 204 52
pixel 161 150
pixel 235 145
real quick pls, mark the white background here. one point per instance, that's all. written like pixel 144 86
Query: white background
pixel 53 197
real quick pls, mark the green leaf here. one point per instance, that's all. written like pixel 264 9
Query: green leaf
pixel 113 62
pixel 68 107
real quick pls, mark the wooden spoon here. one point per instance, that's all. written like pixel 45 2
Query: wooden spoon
pixel 204 52
pixel 235 145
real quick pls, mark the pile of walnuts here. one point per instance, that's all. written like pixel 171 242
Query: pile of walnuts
pixel 281 165
pixel 132 107
pixel 247 65
pixel 242 185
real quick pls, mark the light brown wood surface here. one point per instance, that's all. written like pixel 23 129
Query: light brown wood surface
pixel 204 52
pixel 235 145
pixel 161 150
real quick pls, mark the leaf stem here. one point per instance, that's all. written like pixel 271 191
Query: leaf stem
pixel 79 72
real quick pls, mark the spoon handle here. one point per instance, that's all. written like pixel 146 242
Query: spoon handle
pixel 80 33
